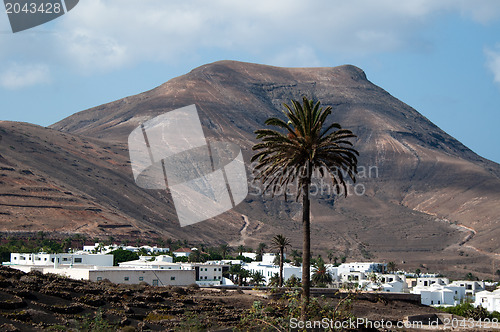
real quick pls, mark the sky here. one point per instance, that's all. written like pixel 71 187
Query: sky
pixel 442 57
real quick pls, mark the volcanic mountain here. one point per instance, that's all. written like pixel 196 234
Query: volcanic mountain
pixel 421 197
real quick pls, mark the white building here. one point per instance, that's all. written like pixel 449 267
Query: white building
pixel 106 249
pixel 209 274
pixel 439 291
pixel 471 287
pixel 362 267
pixel 436 295
pixel 426 282
pixel 250 255
pixel 488 300
pixel 44 259
pixel 268 270
pixel 120 275
pixel 206 274
pixel 162 262
pixel 183 252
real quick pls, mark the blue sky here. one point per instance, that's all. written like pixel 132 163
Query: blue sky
pixel 441 57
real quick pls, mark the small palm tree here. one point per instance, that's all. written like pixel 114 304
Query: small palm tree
pixel 280 242
pixel 321 276
pixel 260 251
pixel 391 267
pixel 257 278
pixel 274 280
pixel 241 249
pixel 224 249
pixel 303 144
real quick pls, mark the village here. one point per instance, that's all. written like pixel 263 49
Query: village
pixel 157 268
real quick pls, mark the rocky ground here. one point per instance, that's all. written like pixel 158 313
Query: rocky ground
pixel 37 302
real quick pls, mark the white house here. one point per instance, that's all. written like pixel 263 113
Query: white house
pixel 425 282
pixel 182 252
pixel 162 262
pixel 470 287
pixel 365 267
pixel 18 260
pixel 208 274
pixel 268 270
pixel 488 300
pixel 121 275
pixel 439 294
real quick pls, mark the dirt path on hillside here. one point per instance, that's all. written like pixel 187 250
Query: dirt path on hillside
pixel 469 237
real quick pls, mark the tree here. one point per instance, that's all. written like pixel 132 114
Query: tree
pixel 330 255
pixel 121 255
pixel 308 145
pixel 280 243
pixel 257 278
pixel 321 276
pixel 391 267
pixel 241 249
pixel 274 280
pixel 293 281
pixel 196 257
pixel 260 251
pixel 296 257
pixel 224 249
pixel 235 273
pixel 417 272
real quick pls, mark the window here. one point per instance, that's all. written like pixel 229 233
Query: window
pixel 125 278
pixel 172 278
pixel 52 260
pixel 15 257
pixel 219 269
pixel 215 269
pixel 22 258
pixel 78 260
pixel 155 282
pixel 65 259
pixel 99 278
pixel 45 259
pixel 141 278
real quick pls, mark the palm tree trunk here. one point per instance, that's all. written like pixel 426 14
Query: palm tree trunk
pixel 281 266
pixel 306 249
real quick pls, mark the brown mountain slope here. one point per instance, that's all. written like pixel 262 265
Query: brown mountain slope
pixel 422 186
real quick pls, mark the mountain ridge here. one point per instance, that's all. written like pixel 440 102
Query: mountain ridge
pixel 427 183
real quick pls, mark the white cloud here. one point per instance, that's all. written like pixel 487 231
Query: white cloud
pixel 100 35
pixel 18 76
pixel 493 62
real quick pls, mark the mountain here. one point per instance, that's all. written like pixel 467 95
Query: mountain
pixel 422 197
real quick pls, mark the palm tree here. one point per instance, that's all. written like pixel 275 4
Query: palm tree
pixel 224 249
pixel 307 145
pixel 241 249
pixel 391 267
pixel 280 242
pixel 330 255
pixel 321 276
pixel 257 278
pixel 235 272
pixel 274 280
pixel 260 251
